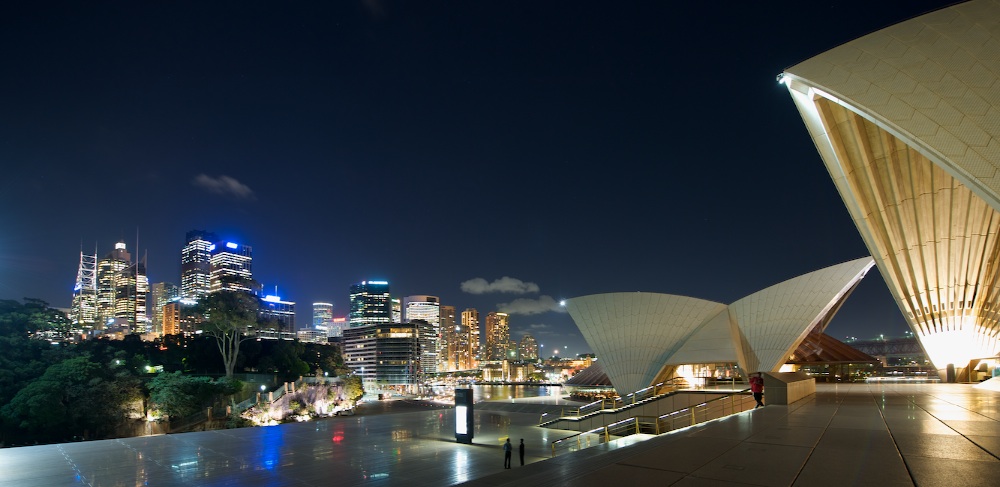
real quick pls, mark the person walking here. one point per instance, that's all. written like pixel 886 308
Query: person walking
pixel 521 451
pixel 506 453
pixel 757 388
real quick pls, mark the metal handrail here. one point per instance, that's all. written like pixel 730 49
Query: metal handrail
pixel 736 402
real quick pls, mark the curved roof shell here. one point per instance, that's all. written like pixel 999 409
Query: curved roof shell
pixel 636 335
pixel 907 121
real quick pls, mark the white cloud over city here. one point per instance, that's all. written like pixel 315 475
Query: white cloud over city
pixel 224 185
pixel 531 306
pixel 505 284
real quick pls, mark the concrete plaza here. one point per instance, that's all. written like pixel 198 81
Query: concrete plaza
pixel 847 434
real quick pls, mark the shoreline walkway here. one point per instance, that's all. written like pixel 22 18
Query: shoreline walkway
pixel 847 434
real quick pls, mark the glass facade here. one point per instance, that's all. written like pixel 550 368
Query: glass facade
pixel 425 311
pixel 196 265
pixel 370 304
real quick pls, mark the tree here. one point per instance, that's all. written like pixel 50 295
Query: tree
pixel 228 315
pixel 178 395
pixel 75 397
pixel 353 388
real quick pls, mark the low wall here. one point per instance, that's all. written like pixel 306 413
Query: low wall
pixel 787 387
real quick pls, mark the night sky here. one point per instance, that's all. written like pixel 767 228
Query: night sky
pixel 576 148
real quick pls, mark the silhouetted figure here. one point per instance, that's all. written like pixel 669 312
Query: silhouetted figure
pixel 506 453
pixel 757 388
pixel 521 450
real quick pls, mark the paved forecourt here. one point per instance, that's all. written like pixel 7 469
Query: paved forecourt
pixel 847 434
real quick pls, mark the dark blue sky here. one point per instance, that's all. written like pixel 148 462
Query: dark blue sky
pixel 584 147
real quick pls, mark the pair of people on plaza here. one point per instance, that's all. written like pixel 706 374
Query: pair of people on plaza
pixel 508 449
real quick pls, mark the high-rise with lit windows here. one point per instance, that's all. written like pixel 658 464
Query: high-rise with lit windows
pixel 446 356
pixel 527 349
pixel 370 304
pixel 425 311
pixel 497 336
pixel 232 267
pixel 467 341
pixel 196 264
pixel 122 287
pixel 322 316
pixel 162 293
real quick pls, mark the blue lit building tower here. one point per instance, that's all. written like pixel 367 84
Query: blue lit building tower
pixel 232 268
pixel 370 304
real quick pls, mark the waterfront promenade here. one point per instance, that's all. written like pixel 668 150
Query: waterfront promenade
pixel 847 434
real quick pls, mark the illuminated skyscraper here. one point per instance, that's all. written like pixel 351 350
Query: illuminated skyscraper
pixel 397 310
pixel 196 264
pixel 337 326
pixel 446 346
pixel 370 304
pixel 83 310
pixel 162 293
pixel 467 338
pixel 121 291
pixel 322 317
pixel 497 336
pixel 527 349
pixel 425 311
pixel 232 267
pixel 273 309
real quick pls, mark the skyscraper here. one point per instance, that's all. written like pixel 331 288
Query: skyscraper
pixel 122 287
pixel 527 349
pixel 322 316
pixel 196 264
pixel 447 339
pixel 83 310
pixel 425 311
pixel 162 293
pixel 467 338
pixel 497 336
pixel 232 267
pixel 396 310
pixel 370 304
pixel 273 309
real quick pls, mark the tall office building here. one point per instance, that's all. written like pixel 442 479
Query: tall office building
pixel 122 287
pixel 196 264
pixel 497 336
pixel 425 311
pixel 162 293
pixel 179 317
pixel 232 267
pixel 446 357
pixel 396 308
pixel 385 356
pixel 527 349
pixel 322 316
pixel 273 310
pixel 337 326
pixel 467 340
pixel 83 310
pixel 370 304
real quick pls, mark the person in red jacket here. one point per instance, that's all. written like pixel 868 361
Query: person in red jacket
pixel 757 388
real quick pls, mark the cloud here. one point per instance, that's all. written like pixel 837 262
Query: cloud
pixel 528 306
pixel 505 284
pixel 223 185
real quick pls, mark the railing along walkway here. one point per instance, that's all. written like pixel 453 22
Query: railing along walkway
pixel 719 407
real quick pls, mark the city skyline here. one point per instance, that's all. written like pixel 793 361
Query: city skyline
pixel 574 150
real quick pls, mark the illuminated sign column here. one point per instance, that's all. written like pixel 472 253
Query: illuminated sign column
pixel 464 422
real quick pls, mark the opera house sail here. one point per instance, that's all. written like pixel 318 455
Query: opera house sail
pixel 641 338
pixel 907 121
